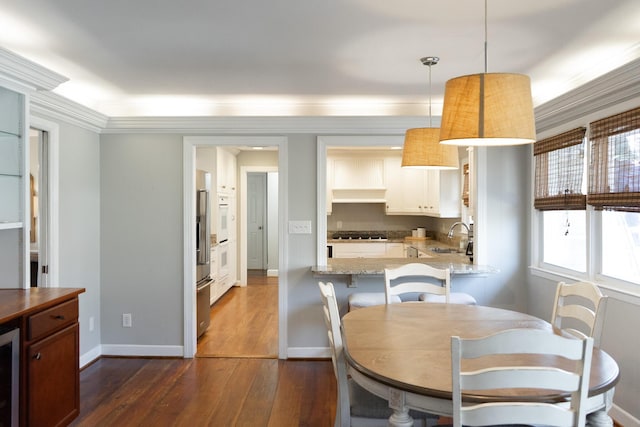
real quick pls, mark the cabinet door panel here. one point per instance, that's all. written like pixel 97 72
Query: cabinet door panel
pixel 53 379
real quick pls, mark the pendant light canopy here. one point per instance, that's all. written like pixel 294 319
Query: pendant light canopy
pixel 422 148
pixel 488 109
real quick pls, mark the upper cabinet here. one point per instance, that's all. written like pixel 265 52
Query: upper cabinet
pixel 356 178
pixel 406 189
pixel 226 171
pixel 362 176
pixel 428 192
pixel 12 159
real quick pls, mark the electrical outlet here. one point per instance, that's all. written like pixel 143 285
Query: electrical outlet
pixel 91 324
pixel 339 225
pixel 126 320
pixel 299 227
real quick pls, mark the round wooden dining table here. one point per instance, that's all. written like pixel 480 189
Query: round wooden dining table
pixel 402 353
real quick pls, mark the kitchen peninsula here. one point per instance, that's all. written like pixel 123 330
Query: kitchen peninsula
pixel 430 252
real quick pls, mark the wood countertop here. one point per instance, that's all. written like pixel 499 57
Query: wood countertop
pixel 16 303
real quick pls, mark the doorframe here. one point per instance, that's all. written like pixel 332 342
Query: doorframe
pixel 244 172
pixel 53 241
pixel 189 145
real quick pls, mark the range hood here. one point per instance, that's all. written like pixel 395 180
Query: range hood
pixel 360 195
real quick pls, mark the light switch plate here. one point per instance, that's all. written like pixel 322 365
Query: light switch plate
pixel 299 227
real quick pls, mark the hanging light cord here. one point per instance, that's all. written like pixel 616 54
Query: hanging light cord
pixel 430 95
pixel 429 61
pixel 486 55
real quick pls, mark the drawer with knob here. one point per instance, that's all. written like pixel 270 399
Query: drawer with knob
pixel 52 319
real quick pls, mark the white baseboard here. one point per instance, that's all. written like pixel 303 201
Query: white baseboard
pixel 272 272
pixel 623 418
pixel 142 350
pixel 308 353
pixel 90 356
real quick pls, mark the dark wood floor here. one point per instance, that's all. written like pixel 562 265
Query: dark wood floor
pixel 244 385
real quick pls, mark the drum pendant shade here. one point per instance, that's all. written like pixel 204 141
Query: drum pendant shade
pixel 488 109
pixel 422 149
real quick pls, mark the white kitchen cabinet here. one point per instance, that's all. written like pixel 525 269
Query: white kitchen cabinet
pixel 406 188
pixel 359 250
pixel 444 194
pixel 226 170
pixel 213 273
pixel 394 250
pixel 428 192
pixel 329 190
pixel 368 249
pixel 356 177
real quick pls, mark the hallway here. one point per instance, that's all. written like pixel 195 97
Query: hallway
pixel 244 322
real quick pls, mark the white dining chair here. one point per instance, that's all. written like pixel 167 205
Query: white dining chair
pixel 579 308
pixel 497 374
pixel 430 283
pixel 355 405
pixel 420 278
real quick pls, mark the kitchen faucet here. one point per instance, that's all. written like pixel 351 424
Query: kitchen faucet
pixel 469 229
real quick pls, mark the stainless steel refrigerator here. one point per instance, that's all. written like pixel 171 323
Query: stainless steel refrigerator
pixel 203 249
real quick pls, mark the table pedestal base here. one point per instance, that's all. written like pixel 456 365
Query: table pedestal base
pixel 400 416
pixel 599 419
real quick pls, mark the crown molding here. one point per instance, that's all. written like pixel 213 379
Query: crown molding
pixel 388 125
pixel 608 90
pixel 52 105
pixel 28 74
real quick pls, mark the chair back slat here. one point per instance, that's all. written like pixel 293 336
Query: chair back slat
pixel 502 358
pixel 416 277
pixel 579 308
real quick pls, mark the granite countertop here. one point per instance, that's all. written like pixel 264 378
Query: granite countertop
pixel 458 262
pixel 376 266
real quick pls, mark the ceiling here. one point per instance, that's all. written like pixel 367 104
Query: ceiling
pixel 310 58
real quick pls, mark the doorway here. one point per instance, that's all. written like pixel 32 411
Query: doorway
pixel 39 206
pixel 247 161
pixel 244 321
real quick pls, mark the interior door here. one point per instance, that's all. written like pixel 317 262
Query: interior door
pixel 256 217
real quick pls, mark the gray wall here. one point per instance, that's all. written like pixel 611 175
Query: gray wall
pixel 304 322
pixel 79 226
pixel 142 242
pixel 507 204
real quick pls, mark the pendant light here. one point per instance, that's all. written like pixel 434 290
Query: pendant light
pixel 422 148
pixel 488 109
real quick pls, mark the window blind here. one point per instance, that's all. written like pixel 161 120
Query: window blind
pixel 614 170
pixel 559 168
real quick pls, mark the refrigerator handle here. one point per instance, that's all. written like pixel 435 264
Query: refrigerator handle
pixel 198 242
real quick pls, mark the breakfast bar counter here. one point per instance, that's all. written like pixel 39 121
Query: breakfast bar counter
pixel 376 266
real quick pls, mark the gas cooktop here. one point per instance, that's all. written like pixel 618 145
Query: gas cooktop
pixel 359 235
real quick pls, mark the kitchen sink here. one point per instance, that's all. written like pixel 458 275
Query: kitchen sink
pixel 446 251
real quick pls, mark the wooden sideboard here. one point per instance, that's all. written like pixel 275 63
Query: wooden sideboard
pixel 49 390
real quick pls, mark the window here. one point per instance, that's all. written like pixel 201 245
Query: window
pixel 607 216
pixel 560 193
